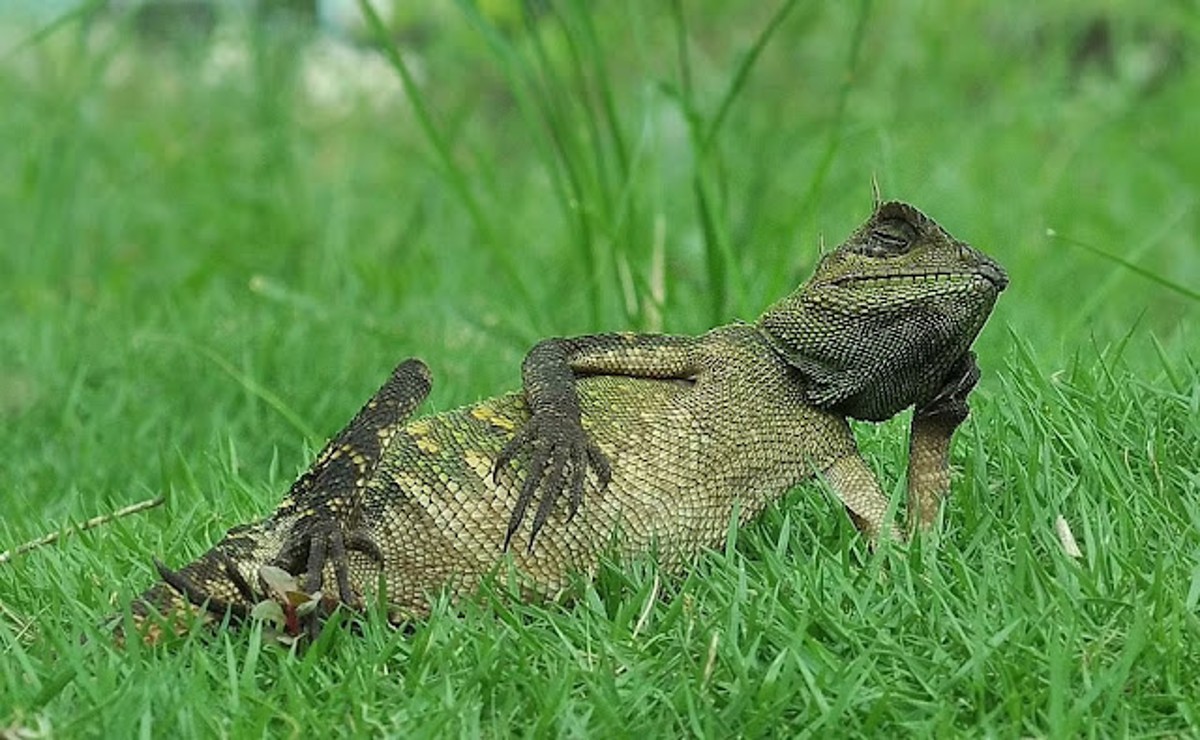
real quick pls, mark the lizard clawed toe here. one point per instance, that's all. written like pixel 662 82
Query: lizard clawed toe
pixel 328 544
pixel 950 401
pixel 559 455
pixel 196 595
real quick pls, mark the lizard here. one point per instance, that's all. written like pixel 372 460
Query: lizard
pixel 646 443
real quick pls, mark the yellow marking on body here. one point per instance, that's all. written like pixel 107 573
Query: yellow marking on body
pixel 425 444
pixel 418 428
pixel 488 414
pixel 483 413
pixel 406 481
pixel 503 422
pixel 479 463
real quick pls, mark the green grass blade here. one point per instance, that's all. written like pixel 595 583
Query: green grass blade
pixel 742 73
pixel 834 138
pixel 454 173
pixel 1133 267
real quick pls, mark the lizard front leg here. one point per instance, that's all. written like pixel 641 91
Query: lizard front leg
pixel 856 487
pixel 933 426
pixel 558 451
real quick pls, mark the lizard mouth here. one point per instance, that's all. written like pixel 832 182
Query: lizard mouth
pixel 990 272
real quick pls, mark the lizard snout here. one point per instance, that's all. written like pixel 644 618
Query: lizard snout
pixel 994 273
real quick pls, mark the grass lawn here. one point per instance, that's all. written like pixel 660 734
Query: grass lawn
pixel 213 252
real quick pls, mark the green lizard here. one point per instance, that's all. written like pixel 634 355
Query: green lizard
pixel 642 442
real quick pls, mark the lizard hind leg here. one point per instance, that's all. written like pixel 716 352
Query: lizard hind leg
pixel 318 522
pixel 353 455
pixel 327 501
pixel 201 594
pixel 209 589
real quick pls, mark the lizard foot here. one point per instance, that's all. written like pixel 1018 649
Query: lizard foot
pixel 329 545
pixel 950 402
pixel 217 587
pixel 560 452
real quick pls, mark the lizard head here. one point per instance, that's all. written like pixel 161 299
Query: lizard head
pixel 887 315
pixel 899 257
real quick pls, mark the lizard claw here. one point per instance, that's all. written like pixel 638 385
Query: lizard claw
pixel 199 594
pixel 950 402
pixel 329 544
pixel 560 452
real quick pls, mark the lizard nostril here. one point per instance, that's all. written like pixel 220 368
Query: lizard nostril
pixel 994 273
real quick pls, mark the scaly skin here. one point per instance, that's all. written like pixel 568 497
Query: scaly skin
pixel 629 443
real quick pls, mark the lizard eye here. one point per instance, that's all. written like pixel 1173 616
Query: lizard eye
pixel 891 237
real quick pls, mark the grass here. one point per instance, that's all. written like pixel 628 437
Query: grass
pixel 206 270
